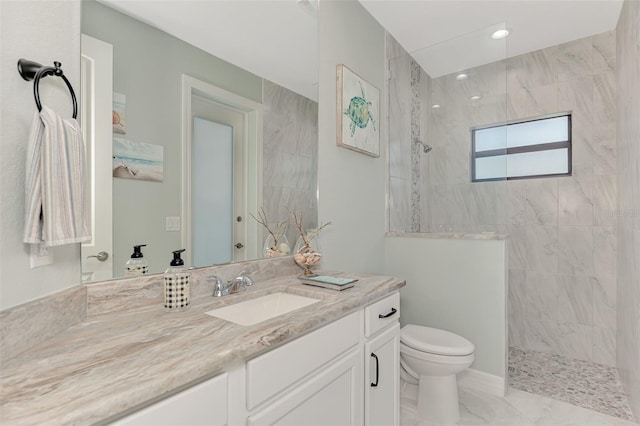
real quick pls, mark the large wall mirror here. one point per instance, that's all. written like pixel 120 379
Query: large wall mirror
pixel 208 111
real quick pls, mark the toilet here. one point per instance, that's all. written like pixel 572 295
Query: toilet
pixel 431 358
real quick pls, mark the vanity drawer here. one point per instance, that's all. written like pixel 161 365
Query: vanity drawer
pixel 382 313
pixel 276 370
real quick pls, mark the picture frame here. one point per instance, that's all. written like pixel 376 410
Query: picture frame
pixel 137 160
pixel 358 113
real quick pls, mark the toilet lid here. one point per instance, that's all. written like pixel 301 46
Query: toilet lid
pixel 435 341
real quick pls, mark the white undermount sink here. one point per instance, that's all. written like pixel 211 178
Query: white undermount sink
pixel 262 308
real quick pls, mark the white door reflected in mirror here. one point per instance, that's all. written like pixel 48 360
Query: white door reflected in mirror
pixel 96 88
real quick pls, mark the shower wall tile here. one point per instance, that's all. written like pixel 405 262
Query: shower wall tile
pixel 604 52
pixel 542 201
pixel 517 202
pixel 399 204
pixel 576 200
pixel 628 163
pixel 575 340
pixel 604 346
pixel 516 103
pixel 290 141
pixel 516 73
pixel 605 199
pixel 604 250
pixel 542 100
pixel 574 59
pixel 517 247
pixel 604 149
pixel 541 67
pixel 542 248
pixel 575 299
pixel 541 295
pixel 604 301
pixel 437 166
pixel 400 144
pixel 576 95
pixel 582 147
pixel 516 307
pixel 541 335
pixel 604 98
pixel 575 250
pixel 457 164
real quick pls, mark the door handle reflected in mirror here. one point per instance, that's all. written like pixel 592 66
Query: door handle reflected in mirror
pixel 238 245
pixel 102 256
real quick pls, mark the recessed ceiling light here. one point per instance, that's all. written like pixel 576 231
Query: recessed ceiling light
pixel 500 34
pixel 461 76
pixel 435 106
pixel 475 97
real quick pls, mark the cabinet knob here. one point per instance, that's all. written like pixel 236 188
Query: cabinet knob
pixel 238 245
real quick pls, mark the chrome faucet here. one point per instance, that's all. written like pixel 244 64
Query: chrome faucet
pixel 236 285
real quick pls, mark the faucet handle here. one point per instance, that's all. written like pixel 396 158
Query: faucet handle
pixel 244 276
pixel 219 289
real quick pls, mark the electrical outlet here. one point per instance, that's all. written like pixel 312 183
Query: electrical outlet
pixel 172 223
pixel 40 255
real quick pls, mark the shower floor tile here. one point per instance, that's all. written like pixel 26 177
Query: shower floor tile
pixel 582 383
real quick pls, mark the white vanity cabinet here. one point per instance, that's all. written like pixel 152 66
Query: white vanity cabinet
pixel 203 404
pixel 322 378
pixel 382 362
pixel 313 380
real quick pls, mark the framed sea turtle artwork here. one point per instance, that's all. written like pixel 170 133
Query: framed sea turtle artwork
pixel 358 113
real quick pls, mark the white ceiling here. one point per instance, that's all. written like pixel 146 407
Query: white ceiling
pixel 278 39
pixel 447 36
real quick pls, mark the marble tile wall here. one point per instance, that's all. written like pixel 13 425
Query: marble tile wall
pixel 408 88
pixel 628 207
pixel 454 204
pixel 290 147
pixel 563 234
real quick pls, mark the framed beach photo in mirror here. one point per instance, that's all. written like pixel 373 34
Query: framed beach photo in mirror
pixel 358 113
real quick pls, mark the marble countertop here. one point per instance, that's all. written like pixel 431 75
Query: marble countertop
pixel 117 361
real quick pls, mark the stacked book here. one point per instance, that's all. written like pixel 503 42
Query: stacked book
pixel 326 281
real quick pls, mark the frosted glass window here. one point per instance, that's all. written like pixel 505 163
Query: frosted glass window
pixel 533 148
pixel 212 164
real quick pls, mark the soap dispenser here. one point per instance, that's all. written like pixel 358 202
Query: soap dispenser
pixel 176 284
pixel 137 265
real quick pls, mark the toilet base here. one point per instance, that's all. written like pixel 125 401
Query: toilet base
pixel 438 399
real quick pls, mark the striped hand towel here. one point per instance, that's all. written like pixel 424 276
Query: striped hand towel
pixel 56 205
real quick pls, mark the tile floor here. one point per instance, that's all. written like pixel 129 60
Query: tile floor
pixel 518 408
pixel 582 383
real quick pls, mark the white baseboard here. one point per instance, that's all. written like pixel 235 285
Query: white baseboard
pixel 481 381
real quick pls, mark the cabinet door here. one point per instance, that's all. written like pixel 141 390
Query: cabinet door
pixel 382 378
pixel 203 404
pixel 331 397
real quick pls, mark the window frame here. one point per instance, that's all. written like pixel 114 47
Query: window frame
pixel 548 146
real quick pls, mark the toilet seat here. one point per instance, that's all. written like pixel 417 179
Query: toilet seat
pixel 435 341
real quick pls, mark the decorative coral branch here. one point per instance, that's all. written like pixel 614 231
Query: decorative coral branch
pixel 306 238
pixel 262 220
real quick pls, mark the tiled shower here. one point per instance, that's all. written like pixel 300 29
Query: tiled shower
pixel 563 231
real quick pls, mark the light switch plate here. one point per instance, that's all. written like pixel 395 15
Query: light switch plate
pixel 172 223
